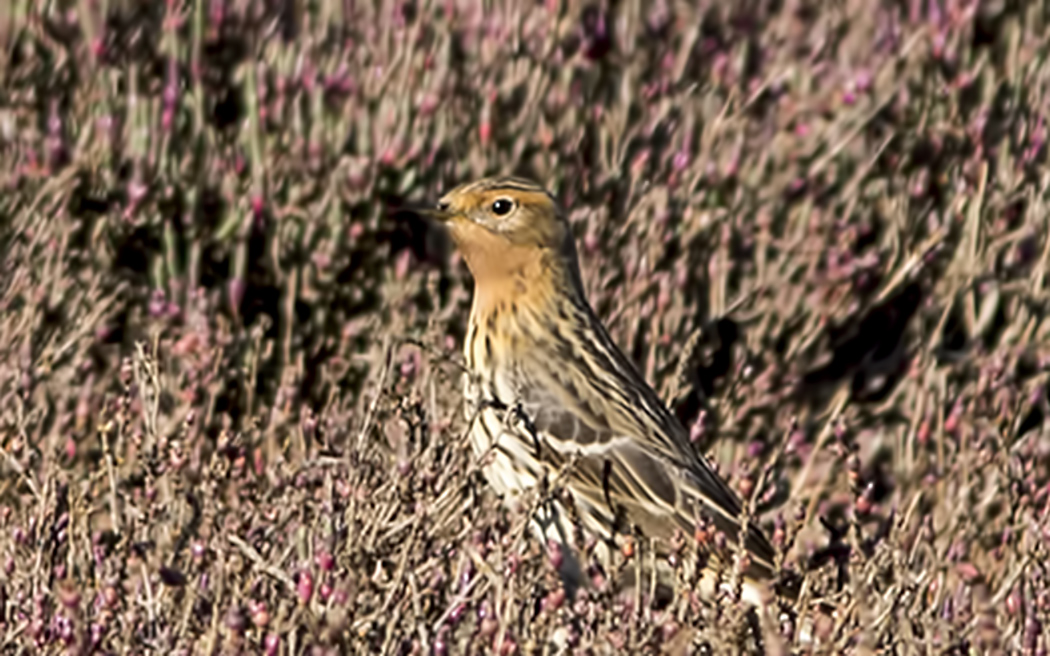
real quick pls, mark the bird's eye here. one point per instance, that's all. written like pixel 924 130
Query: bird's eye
pixel 502 206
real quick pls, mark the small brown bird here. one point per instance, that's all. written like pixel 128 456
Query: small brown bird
pixel 549 394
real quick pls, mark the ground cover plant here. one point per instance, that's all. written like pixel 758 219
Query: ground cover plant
pixel 230 412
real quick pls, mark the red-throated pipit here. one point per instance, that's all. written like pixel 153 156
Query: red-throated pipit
pixel 550 395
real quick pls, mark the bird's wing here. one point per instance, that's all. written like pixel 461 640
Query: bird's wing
pixel 622 472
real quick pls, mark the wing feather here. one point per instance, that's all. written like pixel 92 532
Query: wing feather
pixel 622 477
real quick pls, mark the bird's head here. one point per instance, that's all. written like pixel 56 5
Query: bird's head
pixel 503 225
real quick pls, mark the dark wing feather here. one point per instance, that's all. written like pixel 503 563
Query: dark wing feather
pixel 622 478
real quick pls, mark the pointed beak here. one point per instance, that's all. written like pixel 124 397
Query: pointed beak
pixel 438 212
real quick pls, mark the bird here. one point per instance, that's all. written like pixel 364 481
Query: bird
pixel 550 396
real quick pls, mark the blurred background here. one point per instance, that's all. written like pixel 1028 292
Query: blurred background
pixel 230 408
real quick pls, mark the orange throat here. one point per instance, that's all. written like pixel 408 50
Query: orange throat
pixel 505 274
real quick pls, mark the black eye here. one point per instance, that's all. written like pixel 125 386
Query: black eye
pixel 502 206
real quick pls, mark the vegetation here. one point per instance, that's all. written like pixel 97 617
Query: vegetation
pixel 230 407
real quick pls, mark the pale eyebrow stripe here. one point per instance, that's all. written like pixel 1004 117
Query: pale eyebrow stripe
pixel 509 183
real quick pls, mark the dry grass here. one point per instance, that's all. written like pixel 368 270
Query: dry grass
pixel 229 372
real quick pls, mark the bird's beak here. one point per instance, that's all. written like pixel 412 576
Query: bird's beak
pixel 438 213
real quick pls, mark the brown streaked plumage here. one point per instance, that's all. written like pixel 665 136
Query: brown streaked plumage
pixel 547 385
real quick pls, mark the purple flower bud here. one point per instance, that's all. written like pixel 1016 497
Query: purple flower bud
pixel 324 560
pixel 98 633
pixel 465 576
pixel 404 467
pixel 259 612
pixel 235 620
pixel 681 160
pixel 555 553
pixel 235 291
pixel 65 630
pixel 440 647
pixel 304 587
pixel 457 614
pixel 157 303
